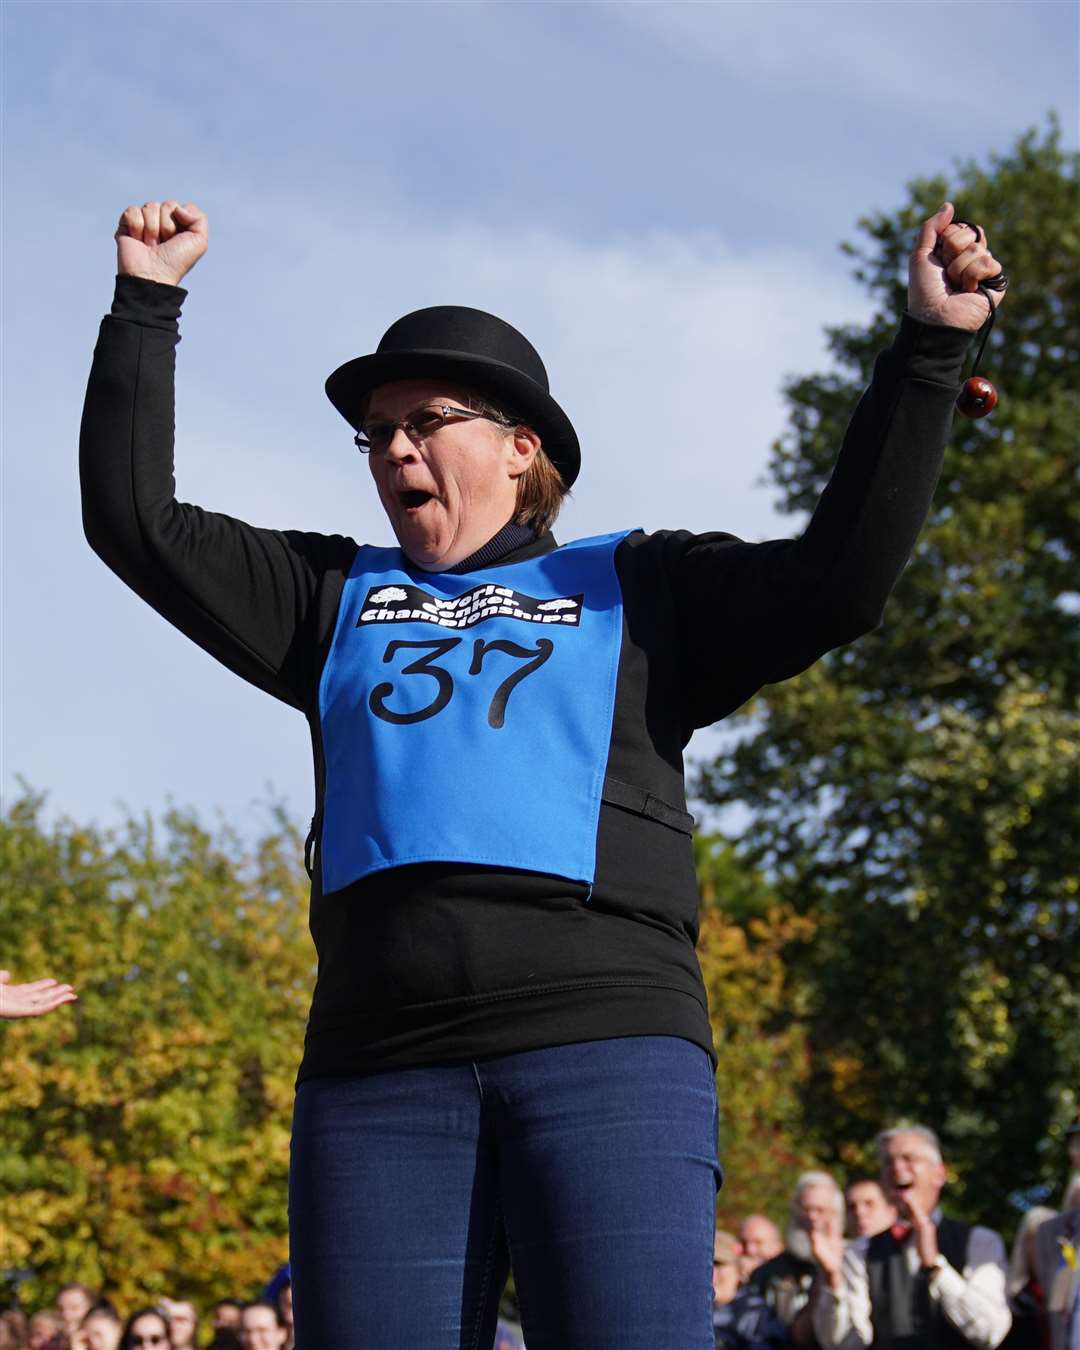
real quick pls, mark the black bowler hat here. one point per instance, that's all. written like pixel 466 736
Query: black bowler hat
pixel 471 348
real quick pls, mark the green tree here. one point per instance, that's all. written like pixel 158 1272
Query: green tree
pixel 144 1129
pixel 916 792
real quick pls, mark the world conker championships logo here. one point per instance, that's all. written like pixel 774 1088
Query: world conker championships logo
pixel 400 604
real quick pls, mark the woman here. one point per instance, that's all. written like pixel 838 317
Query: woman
pixel 509 1048
pixel 46 1331
pixel 102 1329
pixel 147 1329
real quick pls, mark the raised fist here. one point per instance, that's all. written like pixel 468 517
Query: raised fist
pixel 160 241
pixel 944 272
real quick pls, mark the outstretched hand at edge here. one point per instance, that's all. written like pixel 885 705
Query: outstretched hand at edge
pixel 32 1000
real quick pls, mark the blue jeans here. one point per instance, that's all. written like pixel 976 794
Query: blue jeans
pixel 591 1166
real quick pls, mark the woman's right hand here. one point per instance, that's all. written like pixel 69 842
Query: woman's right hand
pixel 32 1000
pixel 160 241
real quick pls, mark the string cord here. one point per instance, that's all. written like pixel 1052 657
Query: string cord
pixel 986 328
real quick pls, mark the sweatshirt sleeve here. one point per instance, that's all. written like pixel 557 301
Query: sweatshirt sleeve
pixel 258 600
pixel 754 614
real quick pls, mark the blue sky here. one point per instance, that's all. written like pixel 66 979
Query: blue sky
pixel 653 193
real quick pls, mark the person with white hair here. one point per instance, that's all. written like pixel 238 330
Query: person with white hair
pixel 927 1283
pixel 786 1281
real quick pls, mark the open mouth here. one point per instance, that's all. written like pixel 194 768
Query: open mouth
pixel 412 499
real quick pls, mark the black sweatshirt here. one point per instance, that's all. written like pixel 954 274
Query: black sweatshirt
pixel 435 963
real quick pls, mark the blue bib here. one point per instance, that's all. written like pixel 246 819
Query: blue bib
pixel 467 719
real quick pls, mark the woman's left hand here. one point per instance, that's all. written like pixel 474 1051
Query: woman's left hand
pixel 944 271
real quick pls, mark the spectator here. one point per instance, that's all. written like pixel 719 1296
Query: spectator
pixel 73 1302
pixel 725 1267
pixel 261 1327
pixel 1026 1297
pixel 226 1313
pixel 14 1329
pixel 102 1328
pixel 928 1284
pixel 760 1241
pixel 47 1331
pixel 284 1302
pixel 742 1320
pixel 184 1321
pixel 147 1329
pixel 868 1208
pixel 785 1281
pixel 1058 1257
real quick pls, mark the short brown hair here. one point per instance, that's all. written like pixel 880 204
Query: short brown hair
pixel 541 490
pixel 540 494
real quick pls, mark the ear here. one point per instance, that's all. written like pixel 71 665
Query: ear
pixel 522 447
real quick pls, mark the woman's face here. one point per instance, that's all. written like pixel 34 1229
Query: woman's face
pixel 101 1333
pixel 447 496
pixel 42 1331
pixel 149 1332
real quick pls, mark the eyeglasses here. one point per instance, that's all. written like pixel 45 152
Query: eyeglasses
pixel 374 437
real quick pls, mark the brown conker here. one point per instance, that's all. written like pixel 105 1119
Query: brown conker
pixel 977 398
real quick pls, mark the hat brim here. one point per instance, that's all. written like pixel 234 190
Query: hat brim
pixel 350 385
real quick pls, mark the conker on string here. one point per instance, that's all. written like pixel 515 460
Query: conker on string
pixel 977 398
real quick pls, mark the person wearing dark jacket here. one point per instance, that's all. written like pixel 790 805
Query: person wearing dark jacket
pixel 509 1046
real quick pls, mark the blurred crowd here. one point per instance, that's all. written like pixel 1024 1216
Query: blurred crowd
pixel 81 1319
pixel 877 1263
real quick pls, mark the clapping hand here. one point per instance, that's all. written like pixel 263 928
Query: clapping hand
pixel 945 269
pixel 827 1246
pixel 923 1228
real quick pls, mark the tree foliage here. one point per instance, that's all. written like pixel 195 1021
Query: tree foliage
pixel 916 793
pixel 756 1010
pixel 145 1128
